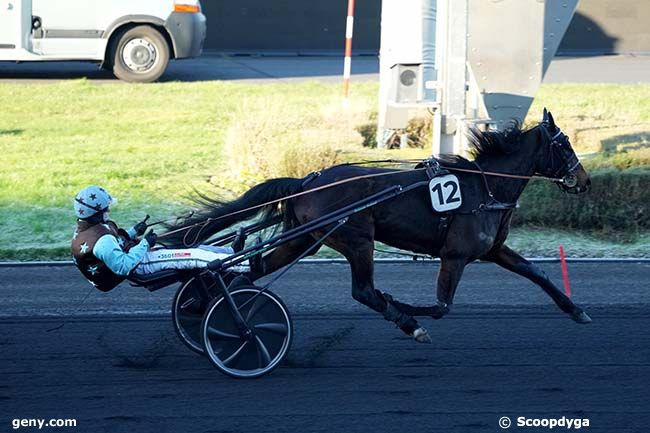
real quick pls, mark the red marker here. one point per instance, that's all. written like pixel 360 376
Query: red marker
pixel 565 273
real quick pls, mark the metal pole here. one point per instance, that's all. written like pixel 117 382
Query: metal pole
pixel 440 61
pixel 429 74
pixel 437 132
pixel 455 59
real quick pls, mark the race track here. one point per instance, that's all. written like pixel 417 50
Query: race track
pixel 503 351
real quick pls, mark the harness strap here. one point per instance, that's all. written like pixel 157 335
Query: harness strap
pixel 487 187
pixel 433 168
pixel 311 176
pixel 493 204
pixel 443 226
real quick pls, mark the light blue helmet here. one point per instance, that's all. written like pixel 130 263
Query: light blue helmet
pixel 91 200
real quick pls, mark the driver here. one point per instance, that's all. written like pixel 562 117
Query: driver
pixel 106 254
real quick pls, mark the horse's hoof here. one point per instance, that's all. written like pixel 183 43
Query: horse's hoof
pixel 421 336
pixel 581 317
pixel 439 312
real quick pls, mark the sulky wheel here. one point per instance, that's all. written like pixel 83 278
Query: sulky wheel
pixel 188 309
pixel 272 331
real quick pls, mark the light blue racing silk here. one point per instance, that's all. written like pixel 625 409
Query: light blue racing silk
pixel 108 250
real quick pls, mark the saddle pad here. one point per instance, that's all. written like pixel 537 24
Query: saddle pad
pixel 445 193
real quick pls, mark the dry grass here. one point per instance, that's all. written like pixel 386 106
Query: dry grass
pixel 273 137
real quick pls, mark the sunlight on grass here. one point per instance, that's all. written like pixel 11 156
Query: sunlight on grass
pixel 610 123
pixel 151 145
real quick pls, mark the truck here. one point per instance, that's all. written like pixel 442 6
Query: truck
pixel 135 39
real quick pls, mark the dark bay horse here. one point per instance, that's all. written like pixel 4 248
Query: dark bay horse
pixel 476 230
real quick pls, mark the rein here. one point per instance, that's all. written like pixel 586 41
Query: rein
pixel 259 206
pixel 205 223
pixel 464 170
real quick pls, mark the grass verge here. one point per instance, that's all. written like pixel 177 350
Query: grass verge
pixel 151 145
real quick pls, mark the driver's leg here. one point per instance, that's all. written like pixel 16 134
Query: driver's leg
pixel 190 258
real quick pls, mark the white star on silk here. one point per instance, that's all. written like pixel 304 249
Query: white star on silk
pixel 83 248
pixel 92 270
pixel 120 241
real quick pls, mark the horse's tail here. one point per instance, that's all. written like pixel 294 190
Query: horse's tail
pixel 216 215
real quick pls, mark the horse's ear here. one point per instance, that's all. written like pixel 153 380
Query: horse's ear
pixel 551 121
pixel 545 116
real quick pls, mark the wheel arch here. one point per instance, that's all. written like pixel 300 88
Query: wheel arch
pixel 130 21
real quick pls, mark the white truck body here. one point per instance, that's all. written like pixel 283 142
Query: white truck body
pixel 39 30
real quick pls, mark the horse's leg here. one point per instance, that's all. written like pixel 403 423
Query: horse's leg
pixel 363 290
pixel 357 247
pixel 282 256
pixel 451 269
pixel 512 261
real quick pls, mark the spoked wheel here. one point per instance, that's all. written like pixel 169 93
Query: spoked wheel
pixel 188 309
pixel 269 320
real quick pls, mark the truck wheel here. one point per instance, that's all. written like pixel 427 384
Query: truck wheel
pixel 140 55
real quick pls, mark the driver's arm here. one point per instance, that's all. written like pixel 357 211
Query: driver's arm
pixel 108 250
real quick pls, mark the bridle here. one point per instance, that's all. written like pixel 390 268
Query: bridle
pixel 560 149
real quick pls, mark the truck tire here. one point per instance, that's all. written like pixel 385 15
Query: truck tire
pixel 140 55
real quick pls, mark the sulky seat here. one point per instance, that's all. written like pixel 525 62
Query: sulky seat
pixel 157 280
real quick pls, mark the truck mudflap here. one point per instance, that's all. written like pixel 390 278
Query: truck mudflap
pixel 188 31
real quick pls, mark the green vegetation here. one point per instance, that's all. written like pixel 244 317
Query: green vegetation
pixel 617 206
pixel 609 124
pixel 151 145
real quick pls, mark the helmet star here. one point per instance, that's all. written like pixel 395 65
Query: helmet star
pixel 83 248
pixel 93 196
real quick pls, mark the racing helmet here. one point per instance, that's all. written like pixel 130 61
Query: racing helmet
pixel 92 200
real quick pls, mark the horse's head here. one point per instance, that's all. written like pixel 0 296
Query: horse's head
pixel 560 161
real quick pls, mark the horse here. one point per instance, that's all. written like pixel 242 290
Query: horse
pixel 504 161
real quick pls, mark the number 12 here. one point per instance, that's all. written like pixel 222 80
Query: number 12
pixel 451 197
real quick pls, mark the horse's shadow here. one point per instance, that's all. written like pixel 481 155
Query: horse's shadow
pixel 626 143
pixel 11 132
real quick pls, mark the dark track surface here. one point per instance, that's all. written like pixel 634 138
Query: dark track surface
pixel 348 370
pixel 325 288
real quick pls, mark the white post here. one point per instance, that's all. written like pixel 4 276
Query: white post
pixel 347 61
pixel 453 105
pixel 436 130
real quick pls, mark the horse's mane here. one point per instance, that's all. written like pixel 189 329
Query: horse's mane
pixel 456 161
pixel 494 143
pixel 484 144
